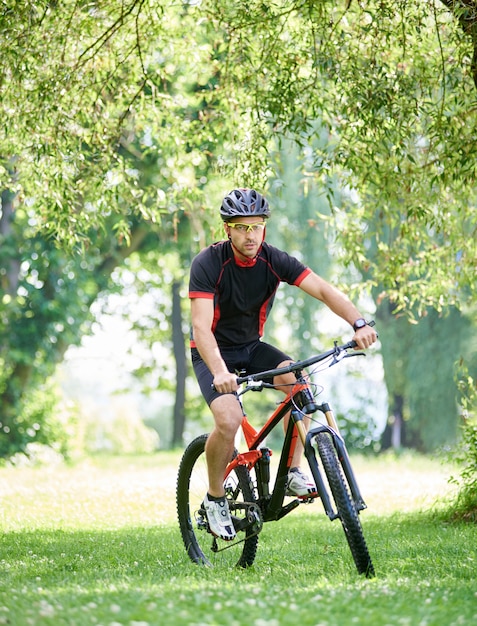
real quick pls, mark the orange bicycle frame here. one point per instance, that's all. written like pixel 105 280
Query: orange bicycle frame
pixel 253 437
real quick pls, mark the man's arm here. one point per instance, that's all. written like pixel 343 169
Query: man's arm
pixel 340 304
pixel 202 314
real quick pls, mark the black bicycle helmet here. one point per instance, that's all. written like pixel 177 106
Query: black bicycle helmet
pixel 244 203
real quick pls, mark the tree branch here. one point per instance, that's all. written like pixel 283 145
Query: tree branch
pixel 465 11
pixel 101 41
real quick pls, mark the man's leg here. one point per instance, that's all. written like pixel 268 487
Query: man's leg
pixel 218 452
pixel 298 483
pixel 285 383
pixel 228 416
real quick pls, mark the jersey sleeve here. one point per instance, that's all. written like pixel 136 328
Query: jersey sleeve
pixel 303 275
pixel 289 268
pixel 201 279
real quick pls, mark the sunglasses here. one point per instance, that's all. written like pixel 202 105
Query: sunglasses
pixel 247 228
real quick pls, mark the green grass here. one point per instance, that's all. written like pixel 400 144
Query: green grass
pixel 98 544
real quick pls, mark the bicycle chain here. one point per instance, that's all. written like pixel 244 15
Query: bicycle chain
pixel 216 549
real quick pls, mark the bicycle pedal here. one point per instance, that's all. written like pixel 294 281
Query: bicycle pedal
pixel 309 496
pixel 201 521
pixel 308 499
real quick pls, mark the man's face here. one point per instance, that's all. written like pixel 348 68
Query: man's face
pixel 246 234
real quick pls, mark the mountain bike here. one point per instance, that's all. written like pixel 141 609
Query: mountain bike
pixel 254 494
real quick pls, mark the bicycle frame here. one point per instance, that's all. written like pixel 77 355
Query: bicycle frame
pixel 256 498
pixel 272 503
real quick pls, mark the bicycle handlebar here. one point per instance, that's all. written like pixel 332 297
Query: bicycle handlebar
pixel 297 365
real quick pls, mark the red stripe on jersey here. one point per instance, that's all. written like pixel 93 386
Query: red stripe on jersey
pixel 302 277
pixel 264 309
pixel 263 314
pixel 201 294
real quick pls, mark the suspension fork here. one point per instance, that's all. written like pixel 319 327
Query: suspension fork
pixel 330 418
pixel 296 416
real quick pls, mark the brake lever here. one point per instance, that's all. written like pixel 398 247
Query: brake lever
pixel 255 385
pixel 344 354
pixel 252 385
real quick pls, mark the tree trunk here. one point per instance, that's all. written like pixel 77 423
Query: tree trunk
pixel 393 435
pixel 9 280
pixel 181 366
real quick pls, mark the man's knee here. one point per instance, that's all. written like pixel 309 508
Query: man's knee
pixel 285 380
pixel 227 413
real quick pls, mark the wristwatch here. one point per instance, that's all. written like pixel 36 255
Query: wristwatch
pixel 360 323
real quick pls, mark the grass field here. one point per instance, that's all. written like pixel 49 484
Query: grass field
pixel 98 544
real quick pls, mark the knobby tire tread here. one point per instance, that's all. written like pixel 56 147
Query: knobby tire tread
pixel 344 504
pixel 190 457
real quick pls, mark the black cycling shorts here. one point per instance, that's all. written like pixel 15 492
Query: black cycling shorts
pixel 250 358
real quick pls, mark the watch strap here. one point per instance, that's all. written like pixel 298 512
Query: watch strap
pixel 360 323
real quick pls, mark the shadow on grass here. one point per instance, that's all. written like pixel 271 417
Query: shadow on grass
pixel 298 546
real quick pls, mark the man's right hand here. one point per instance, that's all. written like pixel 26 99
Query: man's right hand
pixel 225 382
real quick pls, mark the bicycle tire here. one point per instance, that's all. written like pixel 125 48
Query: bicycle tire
pixel 345 506
pixel 192 485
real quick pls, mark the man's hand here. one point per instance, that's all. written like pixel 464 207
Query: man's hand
pixel 225 382
pixel 365 337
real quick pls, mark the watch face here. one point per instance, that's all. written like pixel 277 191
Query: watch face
pixel 359 324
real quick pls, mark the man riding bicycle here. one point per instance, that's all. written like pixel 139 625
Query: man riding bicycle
pixel 232 288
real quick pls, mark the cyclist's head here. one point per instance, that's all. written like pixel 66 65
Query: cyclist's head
pixel 244 203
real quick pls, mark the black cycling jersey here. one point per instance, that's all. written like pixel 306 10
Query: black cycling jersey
pixel 243 291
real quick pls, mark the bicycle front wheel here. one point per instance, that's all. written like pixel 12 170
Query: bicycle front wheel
pixel 345 506
pixel 192 483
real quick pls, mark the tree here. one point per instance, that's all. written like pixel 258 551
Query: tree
pixel 214 83
pixel 124 74
pixel 391 84
pixel 399 111
pixel 44 309
pixel 89 192
pixel 419 365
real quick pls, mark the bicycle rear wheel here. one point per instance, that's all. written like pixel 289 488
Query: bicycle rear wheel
pixel 192 483
pixel 347 511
